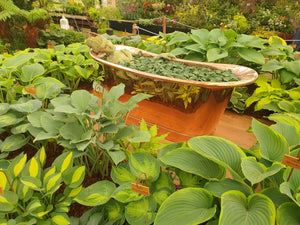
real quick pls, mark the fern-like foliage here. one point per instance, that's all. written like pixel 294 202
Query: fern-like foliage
pixel 9 9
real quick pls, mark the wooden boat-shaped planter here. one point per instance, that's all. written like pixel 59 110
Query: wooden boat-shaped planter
pixel 165 109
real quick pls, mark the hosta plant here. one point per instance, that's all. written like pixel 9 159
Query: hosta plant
pixel 201 166
pixel 31 193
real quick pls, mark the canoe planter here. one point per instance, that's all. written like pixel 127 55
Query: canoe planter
pixel 183 108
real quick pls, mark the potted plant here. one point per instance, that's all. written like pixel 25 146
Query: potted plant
pixel 182 107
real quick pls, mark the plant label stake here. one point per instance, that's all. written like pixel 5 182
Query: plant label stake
pixel 293 162
pixel 139 188
pixel 31 90
pixel 97 90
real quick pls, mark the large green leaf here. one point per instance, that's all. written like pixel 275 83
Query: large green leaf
pixel 251 55
pixel 178 38
pixel 28 106
pixel 256 172
pixel 96 194
pixel 10 118
pixel 191 161
pixel 18 59
pixel 273 146
pixel 200 36
pixel 4 107
pixel 237 209
pixel 272 65
pixel 81 99
pixel 214 54
pixel 144 163
pixel 217 188
pixel 14 142
pixel 122 174
pixel 72 131
pixel 125 194
pixel 29 72
pixel 221 151
pixel 288 214
pixel 141 212
pixel 188 206
pixel 276 196
pixel 290 132
pixel 48 80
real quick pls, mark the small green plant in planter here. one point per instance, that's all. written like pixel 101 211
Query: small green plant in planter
pixel 102 16
pixel 30 193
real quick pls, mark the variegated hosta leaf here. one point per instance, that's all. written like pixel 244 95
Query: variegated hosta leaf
pixel 256 172
pixel 217 188
pixel 27 107
pixel 124 194
pixel 221 151
pixel 10 118
pixel 74 177
pixel 18 163
pixel 14 142
pixel 52 183
pixel 285 188
pixel 96 194
pixel 237 209
pixel 188 206
pixel 273 145
pixel 144 163
pixel 63 162
pixel 60 219
pixel 141 212
pixel 8 201
pixel 4 107
pixel 41 156
pixel 288 214
pixel 31 182
pixel 122 174
pixel 191 161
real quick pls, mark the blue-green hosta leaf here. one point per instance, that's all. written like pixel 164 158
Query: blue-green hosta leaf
pixel 96 194
pixel 72 131
pixel 191 161
pixel 289 132
pixel 187 206
pixel 273 145
pixel 288 213
pixel 117 155
pixel 179 38
pixel 272 52
pixel 144 163
pixel 28 107
pixel 214 54
pixel 49 124
pixel 200 36
pixel 63 104
pixel 44 91
pixel 141 212
pixel 221 151
pixel 35 118
pixel 251 55
pixel 42 135
pixel 8 201
pixel 217 188
pixel 4 107
pixel 125 194
pixel 276 196
pixel 256 172
pixel 237 209
pixel 10 118
pixel 81 99
pixel 122 174
pixel 29 72
pixel 18 60
pixel 14 142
